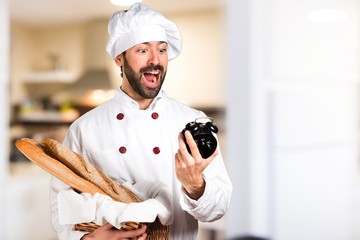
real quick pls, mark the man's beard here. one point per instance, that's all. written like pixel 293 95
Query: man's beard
pixel 137 85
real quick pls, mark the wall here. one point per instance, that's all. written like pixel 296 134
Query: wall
pixel 63 41
pixel 22 52
pixel 197 76
pixel 32 47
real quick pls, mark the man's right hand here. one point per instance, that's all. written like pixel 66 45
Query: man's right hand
pixel 108 232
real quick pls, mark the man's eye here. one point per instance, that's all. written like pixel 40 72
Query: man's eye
pixel 142 50
pixel 162 50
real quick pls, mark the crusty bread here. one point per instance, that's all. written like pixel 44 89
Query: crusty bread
pixel 33 151
pixel 86 170
pixel 82 176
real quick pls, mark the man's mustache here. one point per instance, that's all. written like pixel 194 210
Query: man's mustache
pixel 152 68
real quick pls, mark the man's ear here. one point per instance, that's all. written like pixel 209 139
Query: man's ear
pixel 119 60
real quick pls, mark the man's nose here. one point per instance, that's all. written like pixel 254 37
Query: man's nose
pixel 153 57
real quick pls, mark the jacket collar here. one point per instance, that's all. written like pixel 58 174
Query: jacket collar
pixel 127 101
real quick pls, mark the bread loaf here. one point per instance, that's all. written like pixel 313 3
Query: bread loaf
pixel 33 151
pixel 81 175
pixel 86 170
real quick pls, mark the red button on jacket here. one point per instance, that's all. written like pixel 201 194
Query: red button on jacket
pixel 122 149
pixel 156 150
pixel 155 115
pixel 120 116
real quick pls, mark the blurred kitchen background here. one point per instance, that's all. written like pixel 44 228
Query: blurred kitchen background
pixel 280 78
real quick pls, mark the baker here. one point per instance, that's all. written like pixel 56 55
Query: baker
pixel 136 137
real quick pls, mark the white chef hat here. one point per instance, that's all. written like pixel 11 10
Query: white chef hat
pixel 141 24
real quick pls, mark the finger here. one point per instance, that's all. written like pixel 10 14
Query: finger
pixel 179 163
pixel 192 145
pixel 133 233
pixel 143 237
pixel 215 153
pixel 183 152
pixel 182 145
pixel 106 226
pixel 208 160
pixel 178 158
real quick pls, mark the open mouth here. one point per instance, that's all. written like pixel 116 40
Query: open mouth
pixel 152 78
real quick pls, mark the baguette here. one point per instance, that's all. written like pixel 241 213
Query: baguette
pixel 82 176
pixel 33 151
pixel 86 170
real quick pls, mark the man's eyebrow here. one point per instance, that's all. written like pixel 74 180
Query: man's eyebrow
pixel 147 43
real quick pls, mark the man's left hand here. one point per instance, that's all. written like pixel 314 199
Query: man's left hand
pixel 189 167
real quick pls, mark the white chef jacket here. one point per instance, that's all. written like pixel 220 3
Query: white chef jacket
pixel 132 145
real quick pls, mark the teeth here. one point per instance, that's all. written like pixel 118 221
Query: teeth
pixel 154 79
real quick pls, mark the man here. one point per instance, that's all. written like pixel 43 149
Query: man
pixel 135 138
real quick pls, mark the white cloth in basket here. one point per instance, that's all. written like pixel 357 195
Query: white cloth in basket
pixel 77 208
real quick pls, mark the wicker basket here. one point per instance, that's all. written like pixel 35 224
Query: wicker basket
pixel 155 230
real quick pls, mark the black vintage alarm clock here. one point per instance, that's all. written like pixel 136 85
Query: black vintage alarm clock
pixel 202 133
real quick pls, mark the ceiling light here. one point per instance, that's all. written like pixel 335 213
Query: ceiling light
pixel 124 2
pixel 327 16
